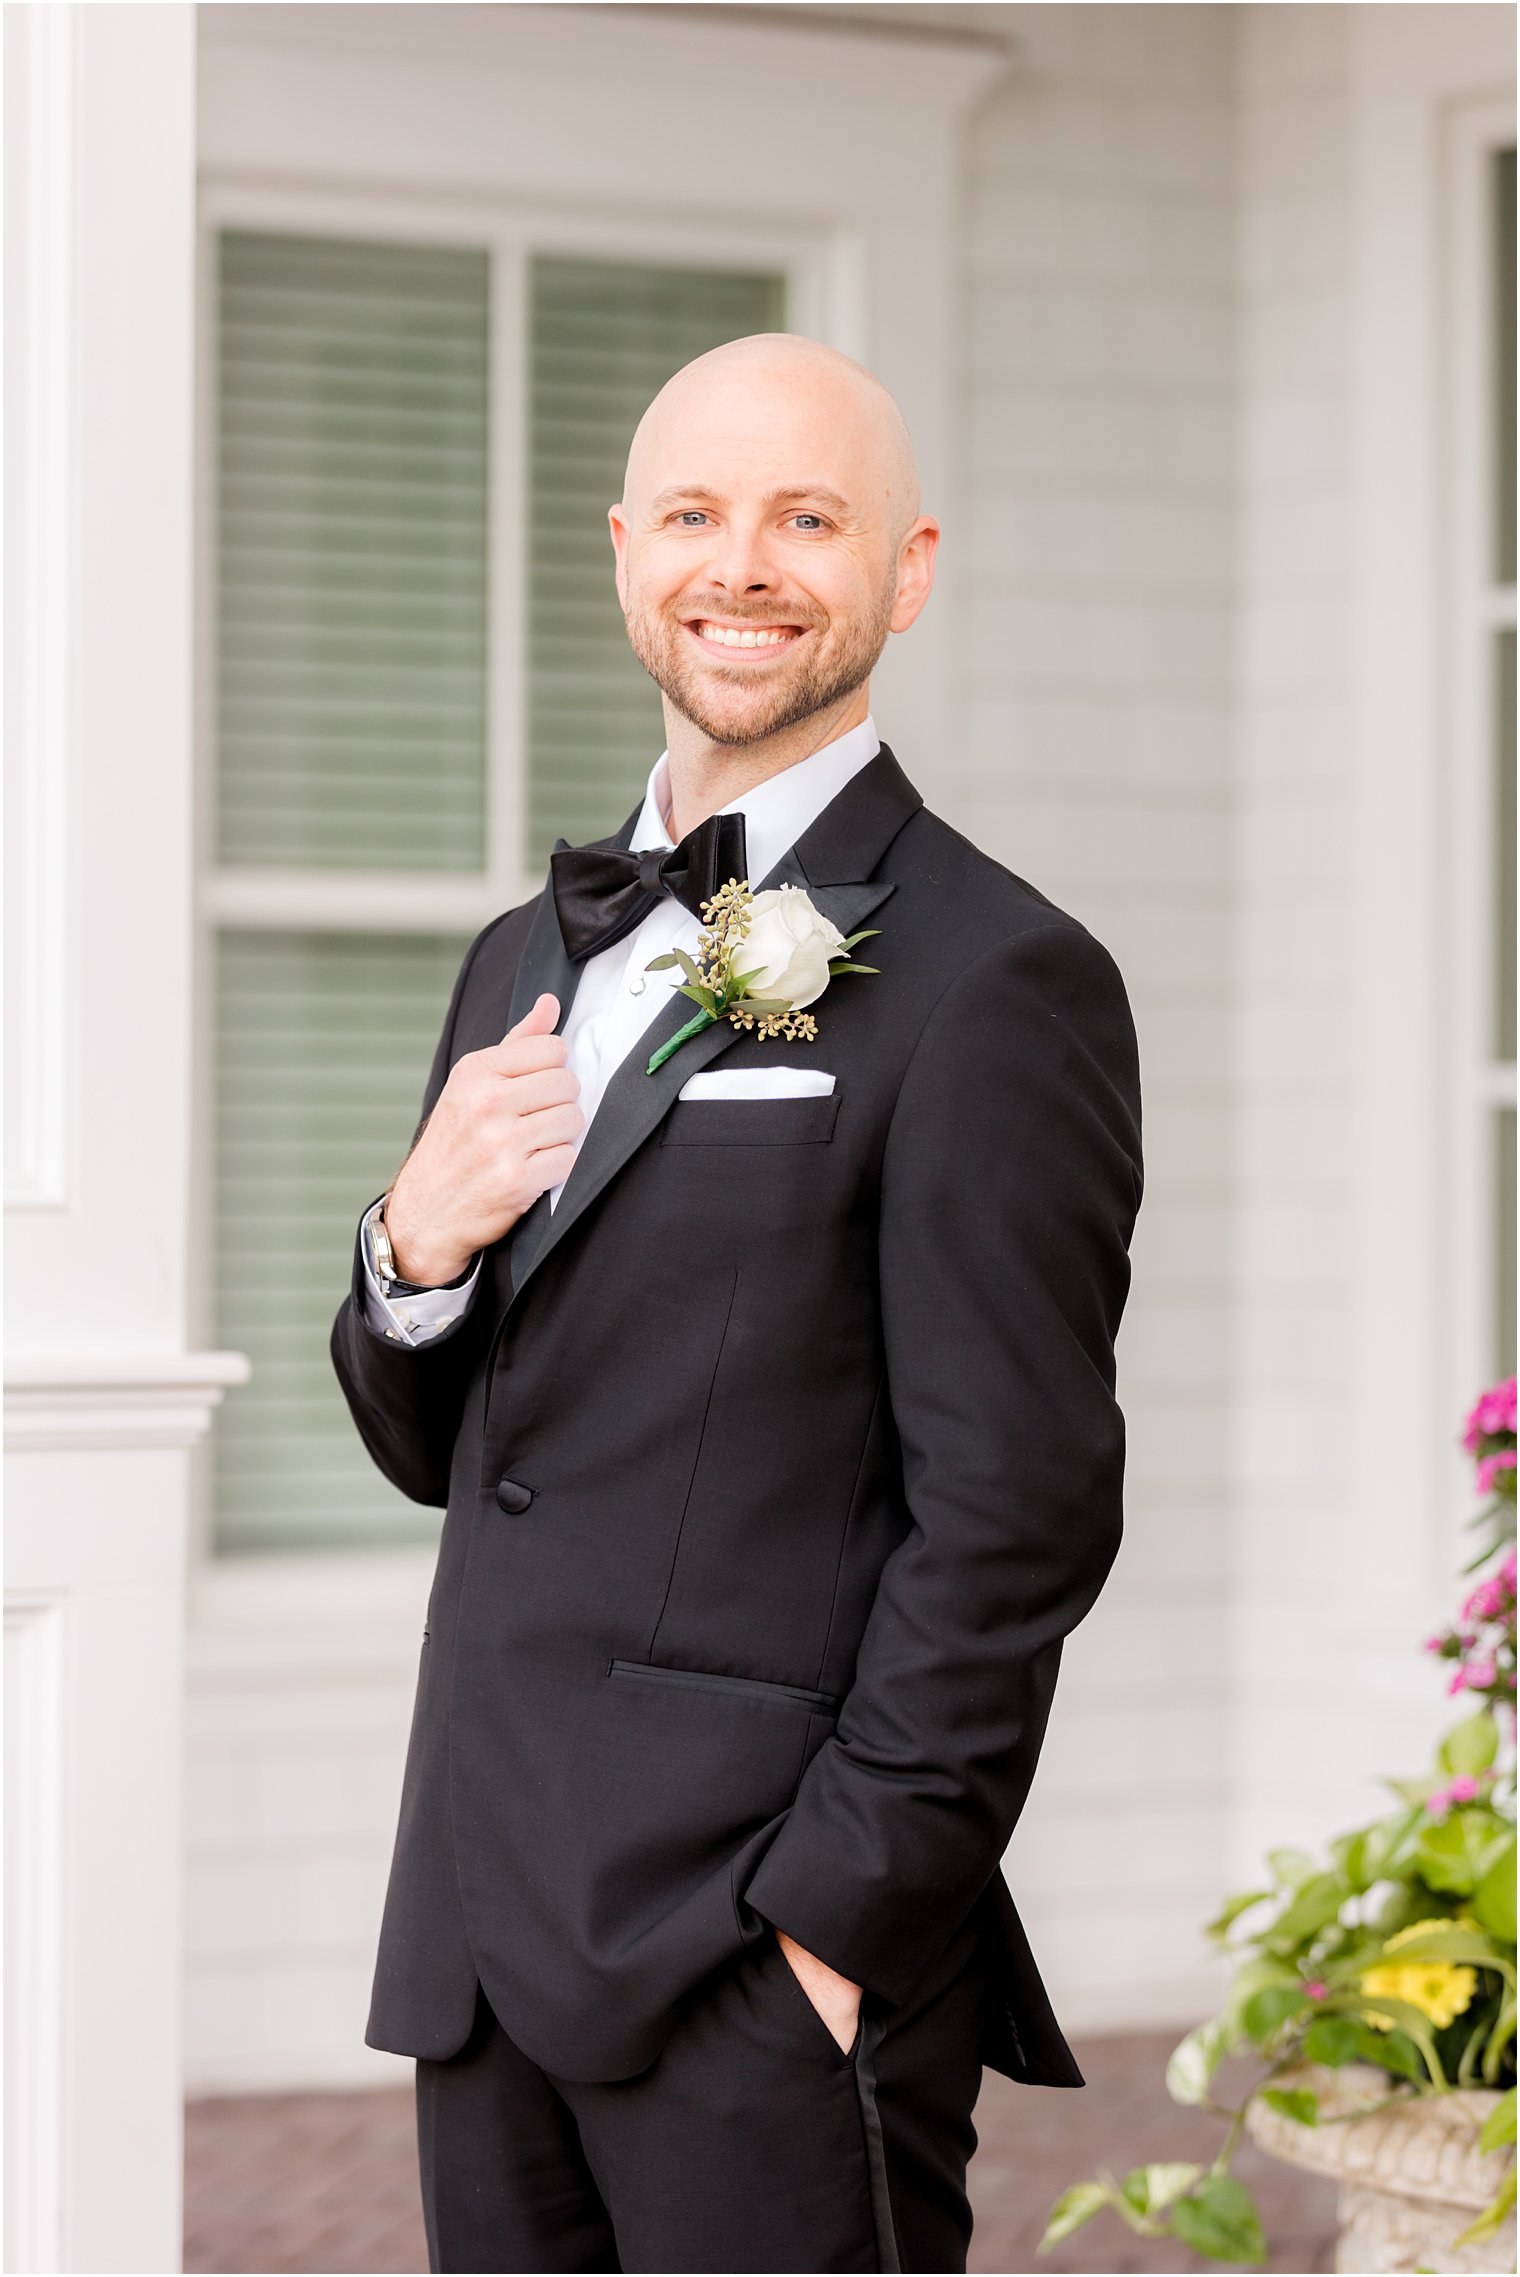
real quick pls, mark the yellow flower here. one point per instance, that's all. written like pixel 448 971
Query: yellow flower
pixel 1442 1989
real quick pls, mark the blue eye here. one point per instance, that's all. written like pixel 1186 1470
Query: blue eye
pixel 815 519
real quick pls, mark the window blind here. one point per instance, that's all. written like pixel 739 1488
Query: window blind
pixel 351 527
pixel 323 1044
pixel 604 338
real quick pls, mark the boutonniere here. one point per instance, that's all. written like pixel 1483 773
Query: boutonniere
pixel 762 958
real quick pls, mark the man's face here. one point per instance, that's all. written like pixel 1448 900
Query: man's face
pixel 760 550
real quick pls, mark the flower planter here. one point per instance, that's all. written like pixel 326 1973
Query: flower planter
pixel 1411 2176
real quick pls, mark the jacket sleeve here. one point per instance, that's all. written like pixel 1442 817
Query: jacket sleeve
pixel 407 1399
pixel 1010 1184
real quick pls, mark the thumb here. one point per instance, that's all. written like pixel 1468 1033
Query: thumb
pixel 538 1020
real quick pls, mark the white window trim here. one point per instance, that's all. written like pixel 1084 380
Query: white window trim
pixel 1478 607
pixel 1412 71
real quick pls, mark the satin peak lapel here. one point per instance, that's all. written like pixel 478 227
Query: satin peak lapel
pixel 833 861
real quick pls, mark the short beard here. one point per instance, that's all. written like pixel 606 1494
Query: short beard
pixel 659 644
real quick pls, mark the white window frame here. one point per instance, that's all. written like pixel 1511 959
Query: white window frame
pixel 1479 607
pixel 1415 72
pixel 390 901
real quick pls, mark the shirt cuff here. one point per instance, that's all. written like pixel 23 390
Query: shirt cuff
pixel 420 1317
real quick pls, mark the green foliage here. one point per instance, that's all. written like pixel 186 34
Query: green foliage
pixel 1220 2219
pixel 1294 2103
pixel 1354 1958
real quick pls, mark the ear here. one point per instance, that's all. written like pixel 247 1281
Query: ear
pixel 915 571
pixel 617 523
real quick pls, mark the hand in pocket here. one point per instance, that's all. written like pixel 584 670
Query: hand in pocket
pixel 835 1998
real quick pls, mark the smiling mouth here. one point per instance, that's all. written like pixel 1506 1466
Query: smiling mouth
pixel 742 640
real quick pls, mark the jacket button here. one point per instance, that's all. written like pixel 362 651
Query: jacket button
pixel 512 1497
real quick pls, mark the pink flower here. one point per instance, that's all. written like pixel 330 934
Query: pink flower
pixel 1493 1413
pixel 1490 1468
pixel 1435 1644
pixel 1458 1679
pixel 1507 1573
pixel 1316 1990
pixel 1462 1789
pixel 1480 1674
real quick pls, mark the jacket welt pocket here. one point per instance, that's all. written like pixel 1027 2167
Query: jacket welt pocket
pixel 742 1687
pixel 750 1122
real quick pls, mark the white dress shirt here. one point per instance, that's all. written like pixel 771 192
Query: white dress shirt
pixel 617 999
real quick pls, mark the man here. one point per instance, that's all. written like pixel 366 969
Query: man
pixel 770 1394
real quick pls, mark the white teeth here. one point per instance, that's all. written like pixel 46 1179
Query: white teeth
pixel 727 636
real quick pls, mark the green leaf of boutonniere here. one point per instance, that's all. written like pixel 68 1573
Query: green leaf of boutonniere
pixel 661 964
pixel 848 964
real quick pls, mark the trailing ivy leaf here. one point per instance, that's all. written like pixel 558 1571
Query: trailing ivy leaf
pixel 1220 2219
pixel 1472 1747
pixel 1167 2180
pixel 1195 2060
pixel 1494 1896
pixel 1294 2103
pixel 1266 2011
pixel 1291 1866
pixel 1499 2126
pixel 1231 1911
pixel 1333 2041
pixel 1071 2210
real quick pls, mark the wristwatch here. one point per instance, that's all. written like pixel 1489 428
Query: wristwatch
pixel 383 1258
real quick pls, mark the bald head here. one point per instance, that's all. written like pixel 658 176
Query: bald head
pixel 781 384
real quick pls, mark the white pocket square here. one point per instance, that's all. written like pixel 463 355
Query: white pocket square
pixel 758 1083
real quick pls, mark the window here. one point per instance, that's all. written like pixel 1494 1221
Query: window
pixel 363 814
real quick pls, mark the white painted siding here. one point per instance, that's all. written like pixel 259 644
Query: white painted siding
pixel 1293 863
pixel 1093 585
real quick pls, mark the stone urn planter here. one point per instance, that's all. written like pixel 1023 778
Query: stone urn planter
pixel 1411 2176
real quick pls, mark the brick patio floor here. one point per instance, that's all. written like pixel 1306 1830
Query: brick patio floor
pixel 329 2182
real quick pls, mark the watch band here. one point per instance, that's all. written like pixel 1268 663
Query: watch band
pixel 383 1258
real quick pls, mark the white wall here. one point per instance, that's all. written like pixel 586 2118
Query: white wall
pixel 1293 859
pixel 103 1400
pixel 1095 574
pixel 1356 1326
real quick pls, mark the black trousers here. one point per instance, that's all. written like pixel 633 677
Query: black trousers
pixel 753 2142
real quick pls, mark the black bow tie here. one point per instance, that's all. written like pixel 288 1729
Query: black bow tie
pixel 601 894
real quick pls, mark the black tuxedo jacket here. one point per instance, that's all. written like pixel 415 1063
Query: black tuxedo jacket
pixel 778 1460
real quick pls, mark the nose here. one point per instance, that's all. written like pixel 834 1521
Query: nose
pixel 740 562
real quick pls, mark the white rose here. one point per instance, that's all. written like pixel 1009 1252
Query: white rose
pixel 791 943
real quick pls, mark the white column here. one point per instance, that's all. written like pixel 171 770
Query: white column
pixel 102 1400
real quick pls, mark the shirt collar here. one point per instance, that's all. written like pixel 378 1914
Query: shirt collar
pixel 777 812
